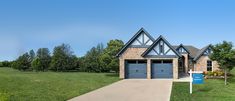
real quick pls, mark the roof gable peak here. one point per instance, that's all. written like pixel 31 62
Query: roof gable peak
pixel 161 47
pixel 202 51
pixel 184 48
pixel 141 39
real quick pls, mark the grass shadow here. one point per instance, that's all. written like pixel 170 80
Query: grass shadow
pixel 112 74
pixel 205 89
pixel 231 79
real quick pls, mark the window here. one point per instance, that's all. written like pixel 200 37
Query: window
pixel 167 61
pixel 162 61
pixel 142 61
pixel 209 65
pixel 157 61
pixel 131 61
pixel 161 48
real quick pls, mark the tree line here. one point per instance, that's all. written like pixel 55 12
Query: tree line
pixel 97 59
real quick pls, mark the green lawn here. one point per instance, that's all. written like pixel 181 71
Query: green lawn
pixel 212 90
pixel 49 86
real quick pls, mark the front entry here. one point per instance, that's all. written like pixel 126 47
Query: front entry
pixel 136 69
pixel 162 69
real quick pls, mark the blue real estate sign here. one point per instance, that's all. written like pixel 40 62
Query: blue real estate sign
pixel 198 78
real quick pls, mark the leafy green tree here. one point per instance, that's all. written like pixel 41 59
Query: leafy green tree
pixel 63 58
pixel 105 60
pixel 224 55
pixel 1 65
pixel 22 63
pixel 81 64
pixel 42 60
pixel 74 62
pixel 5 64
pixel 32 55
pixel 91 62
pixel 36 64
pixel 14 64
pixel 108 58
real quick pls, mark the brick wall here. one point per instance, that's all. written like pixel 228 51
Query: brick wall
pixel 130 53
pixel 186 62
pixel 201 64
pixel 135 54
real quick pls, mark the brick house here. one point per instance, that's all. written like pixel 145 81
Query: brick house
pixel 144 57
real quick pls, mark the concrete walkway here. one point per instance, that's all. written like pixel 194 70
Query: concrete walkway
pixel 131 90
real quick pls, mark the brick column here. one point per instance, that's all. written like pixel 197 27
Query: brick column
pixel 186 63
pixel 121 68
pixel 148 69
pixel 175 68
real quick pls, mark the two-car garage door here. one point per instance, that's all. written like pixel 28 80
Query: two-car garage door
pixel 138 69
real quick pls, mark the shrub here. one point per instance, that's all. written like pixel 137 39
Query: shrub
pixel 205 72
pixel 210 73
pixel 220 73
pixel 215 73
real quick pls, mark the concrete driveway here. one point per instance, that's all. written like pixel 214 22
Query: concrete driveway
pixel 131 90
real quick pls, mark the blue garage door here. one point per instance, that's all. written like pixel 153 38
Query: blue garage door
pixel 162 69
pixel 136 69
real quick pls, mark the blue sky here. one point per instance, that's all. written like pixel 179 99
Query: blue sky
pixel 32 24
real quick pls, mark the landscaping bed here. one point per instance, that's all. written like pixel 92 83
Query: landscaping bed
pixel 216 75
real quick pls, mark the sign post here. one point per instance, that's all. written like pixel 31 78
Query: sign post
pixel 191 82
pixel 196 77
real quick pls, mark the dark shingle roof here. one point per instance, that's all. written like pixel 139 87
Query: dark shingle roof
pixel 201 52
pixel 192 50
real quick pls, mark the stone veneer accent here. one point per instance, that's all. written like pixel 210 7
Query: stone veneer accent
pixel 201 64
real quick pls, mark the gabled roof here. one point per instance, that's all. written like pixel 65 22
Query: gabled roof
pixel 155 42
pixel 186 49
pixel 181 45
pixel 132 39
pixel 192 50
pixel 200 53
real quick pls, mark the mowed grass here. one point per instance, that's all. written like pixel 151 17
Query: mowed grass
pixel 49 86
pixel 212 90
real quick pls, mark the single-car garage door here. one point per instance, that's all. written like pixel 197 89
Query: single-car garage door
pixel 136 69
pixel 162 69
